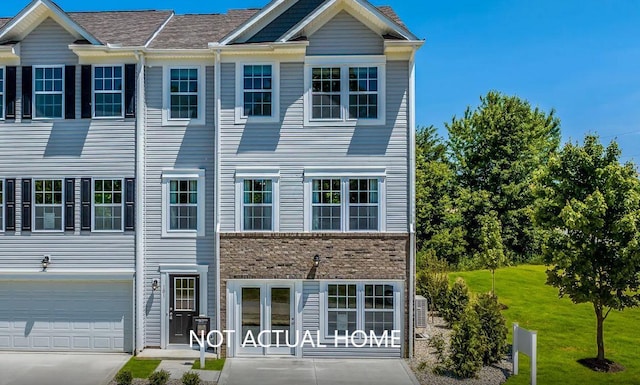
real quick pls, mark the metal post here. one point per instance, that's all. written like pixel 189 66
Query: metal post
pixel 514 349
pixel 202 350
pixel 534 357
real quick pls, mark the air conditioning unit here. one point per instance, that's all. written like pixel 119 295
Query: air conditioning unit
pixel 422 307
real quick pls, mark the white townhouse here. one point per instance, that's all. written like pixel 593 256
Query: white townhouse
pixel 255 167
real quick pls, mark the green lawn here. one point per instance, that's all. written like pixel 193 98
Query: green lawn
pixel 566 332
pixel 141 368
pixel 209 364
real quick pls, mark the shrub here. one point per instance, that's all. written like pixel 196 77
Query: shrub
pixel 191 378
pixel 466 346
pixel 456 303
pixel 492 327
pixel 159 378
pixel 432 281
pixel 124 377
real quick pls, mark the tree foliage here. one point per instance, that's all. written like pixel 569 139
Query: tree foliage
pixel 589 207
pixel 495 150
pixel 491 250
pixel 493 328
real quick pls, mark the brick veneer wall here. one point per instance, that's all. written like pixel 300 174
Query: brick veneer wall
pixel 290 256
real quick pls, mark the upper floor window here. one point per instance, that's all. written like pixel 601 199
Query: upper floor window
pixel 344 203
pixel 345 91
pixel 108 205
pixel 184 99
pixel 257 93
pixel 183 208
pixel 257 197
pixel 49 92
pixel 1 94
pixel 48 205
pixel 108 92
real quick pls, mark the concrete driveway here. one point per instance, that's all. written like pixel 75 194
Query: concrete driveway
pixel 280 371
pixel 59 368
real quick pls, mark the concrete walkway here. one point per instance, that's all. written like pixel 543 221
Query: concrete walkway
pixel 59 368
pixel 275 371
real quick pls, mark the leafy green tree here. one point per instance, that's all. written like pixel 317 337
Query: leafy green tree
pixel 491 250
pixel 493 328
pixel 495 150
pixel 589 206
pixel 439 222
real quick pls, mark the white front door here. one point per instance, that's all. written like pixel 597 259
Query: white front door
pixel 265 315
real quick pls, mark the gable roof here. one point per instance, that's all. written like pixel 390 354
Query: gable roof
pixel 285 21
pixel 3 21
pixel 128 28
pixel 197 31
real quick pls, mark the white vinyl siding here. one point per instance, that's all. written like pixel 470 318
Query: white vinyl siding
pixel 108 91
pixel 48 204
pixel 2 92
pixel 48 87
pixel 2 193
pixel 108 205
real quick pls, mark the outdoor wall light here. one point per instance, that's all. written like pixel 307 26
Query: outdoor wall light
pixel 316 260
pixel 155 285
pixel 45 262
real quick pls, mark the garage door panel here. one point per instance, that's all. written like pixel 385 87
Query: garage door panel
pixel 52 315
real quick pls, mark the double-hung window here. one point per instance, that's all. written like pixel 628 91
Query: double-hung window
pixel 184 95
pixel 2 92
pixel 257 196
pixel 108 205
pixel 344 91
pixel 184 203
pixel 366 306
pixel 344 204
pixel 257 93
pixel 49 92
pixel 48 205
pixel 108 92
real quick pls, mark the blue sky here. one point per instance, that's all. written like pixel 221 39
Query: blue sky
pixel 580 57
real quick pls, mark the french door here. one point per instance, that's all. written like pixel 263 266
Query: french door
pixel 265 314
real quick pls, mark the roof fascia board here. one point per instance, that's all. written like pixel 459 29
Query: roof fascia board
pixel 57 12
pixel 358 6
pixel 254 20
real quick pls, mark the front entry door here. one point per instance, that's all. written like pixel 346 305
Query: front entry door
pixel 266 307
pixel 183 307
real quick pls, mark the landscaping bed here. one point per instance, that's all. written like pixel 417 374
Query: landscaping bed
pixel 424 361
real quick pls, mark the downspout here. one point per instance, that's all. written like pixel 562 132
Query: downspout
pixel 218 106
pixel 412 192
pixel 140 220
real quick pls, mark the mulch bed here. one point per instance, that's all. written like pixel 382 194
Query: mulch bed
pixel 604 366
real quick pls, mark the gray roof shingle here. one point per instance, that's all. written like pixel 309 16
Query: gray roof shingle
pixel 196 31
pixel 129 28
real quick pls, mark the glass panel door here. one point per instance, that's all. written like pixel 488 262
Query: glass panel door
pixel 281 320
pixel 250 318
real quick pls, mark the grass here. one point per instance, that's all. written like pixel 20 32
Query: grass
pixel 566 332
pixel 140 368
pixel 210 364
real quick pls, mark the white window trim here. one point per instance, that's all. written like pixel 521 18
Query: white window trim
pixel 274 176
pixel 172 174
pixel 93 91
pixel 93 206
pixel 398 306
pixel 344 182
pixel 344 63
pixel 4 92
pixel 240 118
pixel 3 190
pixel 35 93
pixel 34 205
pixel 167 120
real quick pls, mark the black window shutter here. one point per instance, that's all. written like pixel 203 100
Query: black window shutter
pixel 27 92
pixel 10 204
pixel 129 203
pixel 85 195
pixel 70 92
pixel 130 91
pixel 85 84
pixel 69 204
pixel 10 94
pixel 26 205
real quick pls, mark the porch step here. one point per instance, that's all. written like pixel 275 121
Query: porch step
pixel 173 354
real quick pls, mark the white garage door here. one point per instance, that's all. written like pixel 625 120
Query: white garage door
pixel 66 316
